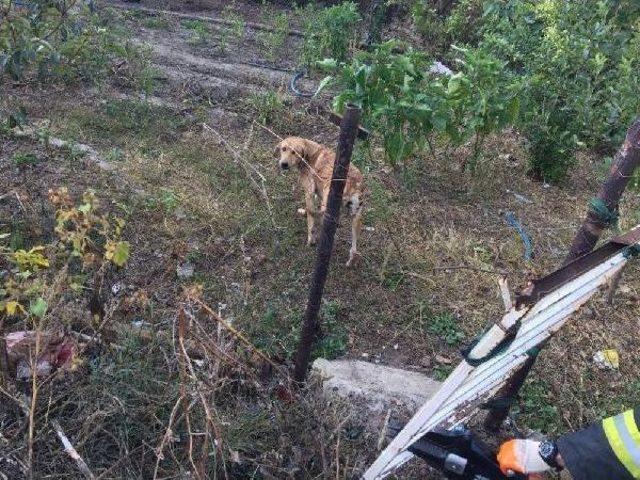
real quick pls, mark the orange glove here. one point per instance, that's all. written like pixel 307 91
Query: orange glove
pixel 521 456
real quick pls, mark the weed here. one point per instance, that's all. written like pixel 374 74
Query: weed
pixel 24 159
pixel 115 155
pixel 235 30
pixel 265 106
pixel 122 120
pixel 446 327
pixel 381 208
pixel 277 334
pixel 272 42
pixel 333 341
pixel 441 372
pixel 167 200
pixel 330 32
pixel 538 408
pixel 200 31
pixel 157 23
pixel 393 280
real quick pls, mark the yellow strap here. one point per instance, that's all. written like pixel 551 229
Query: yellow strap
pixel 624 438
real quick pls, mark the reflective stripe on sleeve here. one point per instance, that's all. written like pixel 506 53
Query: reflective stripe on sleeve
pixel 624 438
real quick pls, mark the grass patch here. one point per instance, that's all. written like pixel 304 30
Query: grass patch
pixel 125 122
pixel 381 201
pixel 334 338
pixel 441 372
pixel 538 409
pixel 271 43
pixel 24 159
pixel 265 106
pixel 157 23
pixel 200 31
pixel 445 326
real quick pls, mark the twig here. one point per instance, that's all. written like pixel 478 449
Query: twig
pixel 233 331
pixel 205 404
pixel 248 166
pixel 71 451
pixel 165 438
pixel 34 401
pixel 15 194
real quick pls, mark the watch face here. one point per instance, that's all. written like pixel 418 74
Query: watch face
pixel 547 450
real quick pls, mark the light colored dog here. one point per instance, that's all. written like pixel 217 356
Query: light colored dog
pixel 314 163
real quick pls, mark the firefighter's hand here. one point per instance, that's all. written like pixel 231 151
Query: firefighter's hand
pixel 521 456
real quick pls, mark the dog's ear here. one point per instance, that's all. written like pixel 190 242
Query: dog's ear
pixel 276 151
pixel 300 148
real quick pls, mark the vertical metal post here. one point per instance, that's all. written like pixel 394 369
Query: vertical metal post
pixel 311 325
pixel 625 163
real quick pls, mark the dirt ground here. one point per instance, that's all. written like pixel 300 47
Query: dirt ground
pixel 192 165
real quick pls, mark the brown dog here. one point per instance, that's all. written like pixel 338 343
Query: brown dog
pixel 315 167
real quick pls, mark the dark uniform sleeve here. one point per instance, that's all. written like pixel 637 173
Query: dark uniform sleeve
pixel 609 449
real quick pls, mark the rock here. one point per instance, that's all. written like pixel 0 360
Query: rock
pixel 378 385
pixel 443 360
pixel 185 270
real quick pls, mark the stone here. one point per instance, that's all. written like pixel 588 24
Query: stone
pixel 185 270
pixel 379 386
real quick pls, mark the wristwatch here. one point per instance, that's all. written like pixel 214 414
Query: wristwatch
pixel 548 451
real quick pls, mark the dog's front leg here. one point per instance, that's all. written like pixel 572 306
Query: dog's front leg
pixel 356 228
pixel 312 213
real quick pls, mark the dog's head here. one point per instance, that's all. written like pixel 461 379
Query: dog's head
pixel 290 152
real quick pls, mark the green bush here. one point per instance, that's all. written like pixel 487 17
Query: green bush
pixel 330 32
pixel 54 40
pixel 408 106
pixel 579 61
pixel 462 26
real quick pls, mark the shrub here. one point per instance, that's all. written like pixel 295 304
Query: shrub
pixel 408 106
pixel 272 42
pixel 56 40
pixel 330 32
pixel 576 59
pixel 462 25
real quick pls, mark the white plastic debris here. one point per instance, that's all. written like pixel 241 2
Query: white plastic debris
pixel 607 359
pixel 439 68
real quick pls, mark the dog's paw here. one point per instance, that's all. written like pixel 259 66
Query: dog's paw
pixel 302 212
pixel 311 241
pixel 353 256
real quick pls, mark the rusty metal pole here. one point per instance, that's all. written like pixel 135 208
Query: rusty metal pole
pixel 311 325
pixel 624 164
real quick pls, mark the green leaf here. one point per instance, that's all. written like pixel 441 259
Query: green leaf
pixel 121 253
pixel 327 64
pixel 38 308
pixel 85 208
pixel 323 84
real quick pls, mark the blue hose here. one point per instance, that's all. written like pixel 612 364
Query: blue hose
pixel 526 239
pixel 294 80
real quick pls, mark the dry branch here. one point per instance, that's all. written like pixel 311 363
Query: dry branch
pixel 233 331
pixel 71 451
